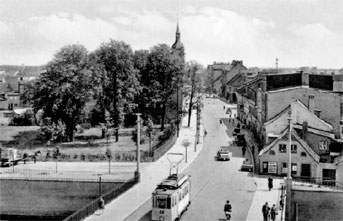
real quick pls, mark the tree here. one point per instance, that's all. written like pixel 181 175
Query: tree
pixel 62 91
pixel 160 79
pixel 193 68
pixel 117 79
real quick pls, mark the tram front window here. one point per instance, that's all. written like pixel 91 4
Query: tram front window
pixel 163 203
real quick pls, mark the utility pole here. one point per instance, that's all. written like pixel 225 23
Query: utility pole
pixel 137 173
pixel 289 171
pixel 178 108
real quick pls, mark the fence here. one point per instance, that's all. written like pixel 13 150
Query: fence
pixel 93 206
pixel 328 182
pixel 52 175
pixel 161 149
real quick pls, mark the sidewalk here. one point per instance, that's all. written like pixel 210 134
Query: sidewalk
pixel 151 175
pixel 263 195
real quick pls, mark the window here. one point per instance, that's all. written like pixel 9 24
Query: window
pixel 323 145
pixel 294 168
pixel 272 152
pixel 303 154
pixel 282 148
pixel 294 148
pixel 161 202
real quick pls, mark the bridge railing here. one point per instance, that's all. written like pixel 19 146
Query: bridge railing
pixel 320 181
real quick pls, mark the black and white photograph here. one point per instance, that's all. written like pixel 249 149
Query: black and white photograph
pixel 171 110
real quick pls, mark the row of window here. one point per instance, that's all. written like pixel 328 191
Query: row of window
pixel 323 145
pixel 303 154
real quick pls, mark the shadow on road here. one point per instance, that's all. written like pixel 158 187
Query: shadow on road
pixel 147 216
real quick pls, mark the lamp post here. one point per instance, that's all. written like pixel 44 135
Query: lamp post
pixel 289 170
pixel 137 173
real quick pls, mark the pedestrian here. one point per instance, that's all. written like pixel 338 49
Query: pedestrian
pixel 253 149
pixel 224 107
pixel 243 150
pixel 265 211
pixel 273 212
pixel 270 183
pixel 205 132
pixel 220 121
pixel 101 203
pixel 281 202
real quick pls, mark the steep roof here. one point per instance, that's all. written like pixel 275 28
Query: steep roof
pixel 295 136
pixel 295 121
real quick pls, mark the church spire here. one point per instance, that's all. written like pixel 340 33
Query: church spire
pixel 177 47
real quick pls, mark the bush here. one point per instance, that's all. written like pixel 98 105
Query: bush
pixel 167 133
pixel 25 119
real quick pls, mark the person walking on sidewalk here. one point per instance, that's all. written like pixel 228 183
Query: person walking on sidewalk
pixel 273 212
pixel 270 183
pixel 265 211
pixel 253 150
pixel 243 150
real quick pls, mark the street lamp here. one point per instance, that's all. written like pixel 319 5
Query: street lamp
pixel 289 170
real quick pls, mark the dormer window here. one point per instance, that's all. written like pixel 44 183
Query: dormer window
pixel 317 113
pixel 323 145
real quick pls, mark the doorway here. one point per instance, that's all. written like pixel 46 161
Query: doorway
pixel 306 170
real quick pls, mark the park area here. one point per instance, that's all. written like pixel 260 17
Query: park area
pixel 88 146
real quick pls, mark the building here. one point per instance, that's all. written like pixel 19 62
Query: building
pixel 221 73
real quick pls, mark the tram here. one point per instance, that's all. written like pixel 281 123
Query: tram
pixel 171 198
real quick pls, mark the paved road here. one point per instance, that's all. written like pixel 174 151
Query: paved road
pixel 213 182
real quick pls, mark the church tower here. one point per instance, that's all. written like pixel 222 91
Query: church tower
pixel 177 47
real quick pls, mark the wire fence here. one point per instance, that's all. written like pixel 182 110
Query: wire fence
pixel 53 175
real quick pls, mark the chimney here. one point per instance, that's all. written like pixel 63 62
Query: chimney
pixel 305 130
pixel 311 102
pixel 305 79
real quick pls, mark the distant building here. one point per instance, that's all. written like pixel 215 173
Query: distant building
pixel 221 73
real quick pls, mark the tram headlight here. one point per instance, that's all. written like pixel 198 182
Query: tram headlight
pixel 161 218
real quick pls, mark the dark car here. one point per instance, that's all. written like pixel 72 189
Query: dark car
pixel 6 162
pixel 236 131
pixel 240 140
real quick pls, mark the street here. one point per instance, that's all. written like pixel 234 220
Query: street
pixel 213 182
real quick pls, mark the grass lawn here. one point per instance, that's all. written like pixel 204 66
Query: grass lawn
pixel 41 198
pixel 87 146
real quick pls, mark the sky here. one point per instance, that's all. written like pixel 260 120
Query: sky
pixel 297 32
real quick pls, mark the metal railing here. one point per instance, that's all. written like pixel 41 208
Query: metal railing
pixel 325 181
pixel 93 206
pixel 52 175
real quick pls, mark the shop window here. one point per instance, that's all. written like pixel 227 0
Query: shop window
pixel 272 152
pixel 303 154
pixel 294 148
pixel 323 145
pixel 282 148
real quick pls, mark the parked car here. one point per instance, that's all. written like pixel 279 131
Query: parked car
pixel 240 140
pixel 247 166
pixel 236 131
pixel 5 162
pixel 223 154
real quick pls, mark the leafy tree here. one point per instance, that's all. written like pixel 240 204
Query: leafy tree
pixel 160 79
pixel 193 68
pixel 62 91
pixel 117 80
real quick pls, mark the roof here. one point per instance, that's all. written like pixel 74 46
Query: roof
pixel 304 106
pixel 295 136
